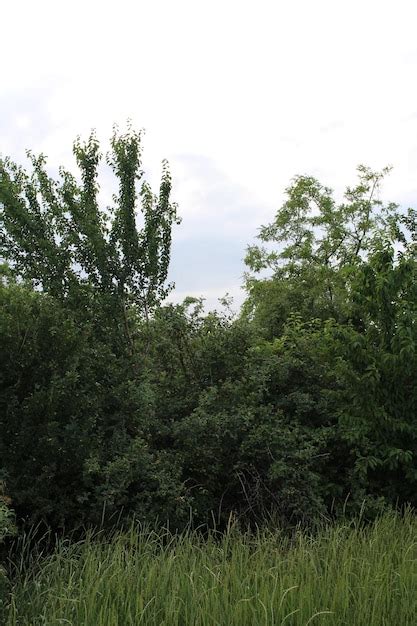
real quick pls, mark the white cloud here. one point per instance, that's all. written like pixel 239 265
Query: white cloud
pixel 252 92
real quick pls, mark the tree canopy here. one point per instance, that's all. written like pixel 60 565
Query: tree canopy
pixel 114 403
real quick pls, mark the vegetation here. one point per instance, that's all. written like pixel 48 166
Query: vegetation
pixel 347 574
pixel 117 407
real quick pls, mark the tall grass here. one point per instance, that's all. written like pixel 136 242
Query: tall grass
pixel 346 574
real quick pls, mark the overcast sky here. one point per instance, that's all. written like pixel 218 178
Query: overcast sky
pixel 240 96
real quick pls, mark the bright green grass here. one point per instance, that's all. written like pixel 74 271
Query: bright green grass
pixel 346 574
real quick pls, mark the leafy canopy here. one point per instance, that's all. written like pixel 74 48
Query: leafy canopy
pixel 55 234
pixel 315 246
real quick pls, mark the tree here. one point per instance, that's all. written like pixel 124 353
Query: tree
pixel 378 365
pixel 78 286
pixel 319 246
pixel 343 277
pixel 306 398
pixel 55 235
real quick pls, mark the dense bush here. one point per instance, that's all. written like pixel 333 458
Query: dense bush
pixel 74 425
pixel 114 404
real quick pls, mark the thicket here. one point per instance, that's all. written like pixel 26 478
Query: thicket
pixel 114 404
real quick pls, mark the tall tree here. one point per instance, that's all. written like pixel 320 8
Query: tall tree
pixel 342 277
pixel 55 235
pixel 315 246
pixel 76 406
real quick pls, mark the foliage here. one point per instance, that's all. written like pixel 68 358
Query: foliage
pixel 352 268
pixel 7 522
pixel 378 366
pixel 321 246
pixel 7 529
pixel 115 404
pixel 74 426
pixel 55 235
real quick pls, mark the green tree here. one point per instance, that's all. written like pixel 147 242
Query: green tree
pixel 378 365
pixel 318 246
pixel 55 235
pixel 79 289
pixel 111 400
pixel 342 285
pixel 77 423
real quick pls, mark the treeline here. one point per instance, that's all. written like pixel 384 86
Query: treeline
pixel 114 404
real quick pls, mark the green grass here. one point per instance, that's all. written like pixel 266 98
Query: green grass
pixel 346 574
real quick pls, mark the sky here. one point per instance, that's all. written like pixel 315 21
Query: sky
pixel 239 96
